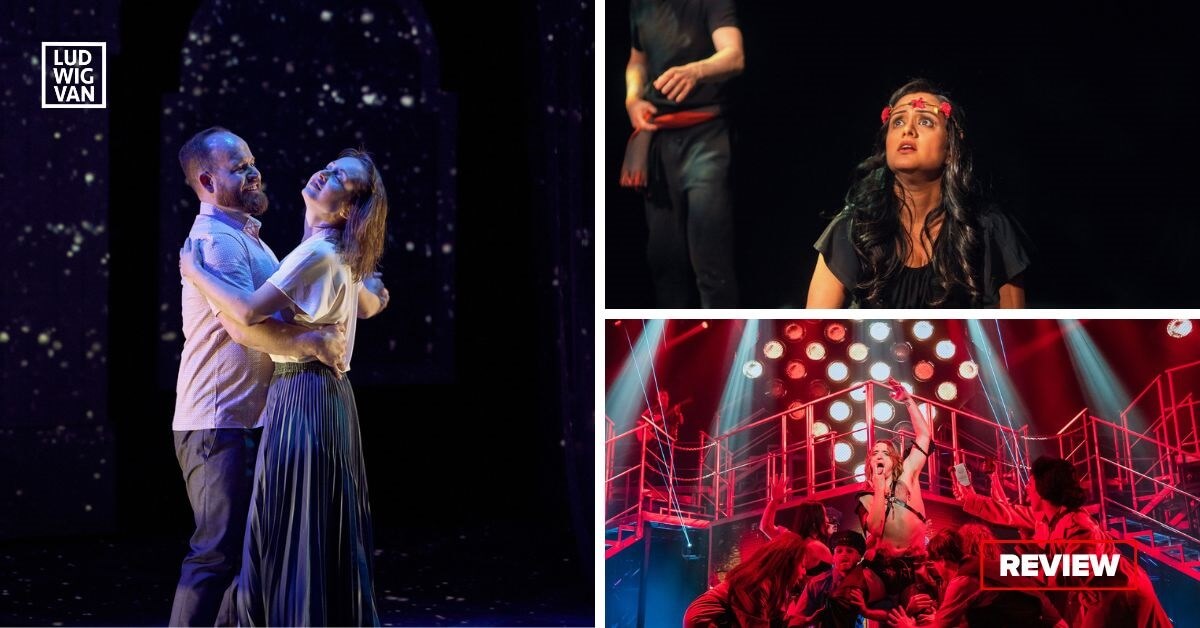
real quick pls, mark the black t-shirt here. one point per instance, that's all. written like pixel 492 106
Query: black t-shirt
pixel 1005 257
pixel 675 32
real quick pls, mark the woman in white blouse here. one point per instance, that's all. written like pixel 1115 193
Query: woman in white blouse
pixel 308 547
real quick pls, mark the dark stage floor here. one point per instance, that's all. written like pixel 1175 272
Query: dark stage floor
pixel 460 579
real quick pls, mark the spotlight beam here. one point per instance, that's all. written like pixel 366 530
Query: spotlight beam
pixel 1002 383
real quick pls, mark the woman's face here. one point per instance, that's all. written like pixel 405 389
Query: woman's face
pixel 917 142
pixel 879 456
pixel 330 190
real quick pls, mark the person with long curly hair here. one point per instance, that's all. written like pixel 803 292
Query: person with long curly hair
pixel 755 593
pixel 914 231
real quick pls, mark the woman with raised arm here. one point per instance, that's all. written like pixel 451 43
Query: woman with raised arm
pixel 891 509
pixel 308 550
pixel 809 521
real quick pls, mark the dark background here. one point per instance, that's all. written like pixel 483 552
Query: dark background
pixel 1081 119
pixel 474 388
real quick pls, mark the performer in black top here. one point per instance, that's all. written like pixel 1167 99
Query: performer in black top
pixel 914 232
pixel 683 53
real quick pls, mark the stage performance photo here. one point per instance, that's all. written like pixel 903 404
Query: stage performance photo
pixel 838 473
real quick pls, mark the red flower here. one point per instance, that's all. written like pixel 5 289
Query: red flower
pixel 887 113
pixel 919 103
pixel 946 108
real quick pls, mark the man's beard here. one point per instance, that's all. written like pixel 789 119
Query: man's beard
pixel 253 202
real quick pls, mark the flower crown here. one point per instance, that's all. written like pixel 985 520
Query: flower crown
pixel 918 103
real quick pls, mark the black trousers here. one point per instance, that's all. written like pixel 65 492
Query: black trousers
pixel 689 214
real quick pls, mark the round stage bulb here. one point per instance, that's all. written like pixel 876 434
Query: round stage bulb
pixel 752 369
pixel 884 412
pixel 793 331
pixel 858 431
pixel 879 331
pixel 839 411
pixel 968 370
pixel 1179 328
pixel 777 389
pixel 838 371
pixel 773 349
pixel 944 349
pixel 835 332
pixel 820 428
pixel 859 394
pixel 902 351
pixel 842 452
pixel 860 472
pixel 815 351
pixel 922 330
pixel 928 410
pixel 923 370
pixel 880 371
pixel 795 370
pixel 947 391
pixel 797 409
pixel 858 352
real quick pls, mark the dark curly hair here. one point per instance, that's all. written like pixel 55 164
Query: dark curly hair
pixel 1057 483
pixel 874 207
pixel 810 521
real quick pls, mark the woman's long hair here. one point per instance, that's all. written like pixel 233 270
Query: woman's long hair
pixel 810 521
pixel 760 584
pixel 878 235
pixel 366 223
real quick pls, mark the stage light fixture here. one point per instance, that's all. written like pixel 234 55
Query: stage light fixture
pixel 923 370
pixel 858 352
pixel 879 331
pixel 835 332
pixel 1179 328
pixel 947 391
pixel 773 349
pixel 928 410
pixel 839 411
pixel 752 369
pixel 968 370
pixel 838 371
pixel 922 330
pixel 880 371
pixel 777 390
pixel 794 332
pixel 815 351
pixel 901 351
pixel 884 412
pixel 796 409
pixel 820 428
pixel 860 472
pixel 842 452
pixel 860 393
pixel 858 431
pixel 945 349
pixel 795 369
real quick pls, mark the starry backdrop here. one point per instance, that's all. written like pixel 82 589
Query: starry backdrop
pixel 480 368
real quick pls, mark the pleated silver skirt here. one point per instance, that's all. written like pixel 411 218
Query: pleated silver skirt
pixel 307 559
